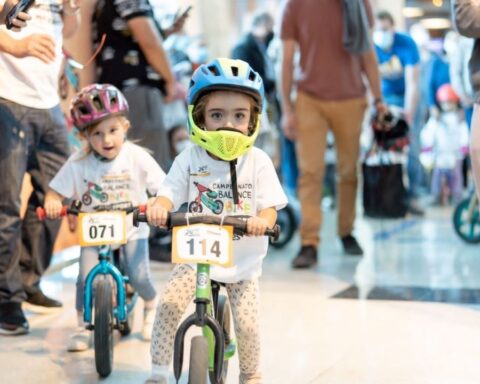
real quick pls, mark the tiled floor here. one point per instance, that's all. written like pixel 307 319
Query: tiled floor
pixel 405 313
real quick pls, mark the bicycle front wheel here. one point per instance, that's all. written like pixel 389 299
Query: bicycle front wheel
pixel 466 222
pixel 198 370
pixel 103 327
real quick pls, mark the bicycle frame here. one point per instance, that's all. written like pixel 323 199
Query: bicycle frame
pixel 105 267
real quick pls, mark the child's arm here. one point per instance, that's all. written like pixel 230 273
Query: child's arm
pixel 157 211
pixel 53 204
pixel 257 225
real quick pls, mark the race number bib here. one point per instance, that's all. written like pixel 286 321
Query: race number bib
pixel 102 228
pixel 203 244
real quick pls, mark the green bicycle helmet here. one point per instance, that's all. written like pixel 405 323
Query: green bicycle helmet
pixel 224 75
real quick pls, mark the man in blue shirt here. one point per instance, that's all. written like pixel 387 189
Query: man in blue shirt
pixel 399 60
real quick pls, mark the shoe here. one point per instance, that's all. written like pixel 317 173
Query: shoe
pixel 148 319
pixel 80 340
pixel 12 319
pixel 157 379
pixel 415 209
pixel 40 303
pixel 306 258
pixel 351 246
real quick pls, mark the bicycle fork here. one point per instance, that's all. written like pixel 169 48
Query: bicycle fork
pixel 201 318
pixel 104 268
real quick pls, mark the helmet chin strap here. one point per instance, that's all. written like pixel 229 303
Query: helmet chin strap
pixel 233 177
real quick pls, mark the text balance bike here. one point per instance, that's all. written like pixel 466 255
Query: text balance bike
pixel 108 298
pixel 205 241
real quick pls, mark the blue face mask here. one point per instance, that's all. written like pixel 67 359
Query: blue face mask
pixel 383 39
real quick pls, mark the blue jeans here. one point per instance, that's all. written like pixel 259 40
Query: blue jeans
pixel 288 166
pixel 33 141
pixel 136 265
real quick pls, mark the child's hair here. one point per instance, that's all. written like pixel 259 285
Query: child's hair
pixel 198 113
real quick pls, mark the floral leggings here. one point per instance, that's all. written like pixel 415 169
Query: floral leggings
pixel 244 301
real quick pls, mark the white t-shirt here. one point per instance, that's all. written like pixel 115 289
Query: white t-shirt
pixel 193 171
pixel 29 81
pixel 447 136
pixel 121 183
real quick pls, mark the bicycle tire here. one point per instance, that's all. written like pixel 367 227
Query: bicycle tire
pixel 103 327
pixel 465 230
pixel 288 224
pixel 198 369
pixel 223 316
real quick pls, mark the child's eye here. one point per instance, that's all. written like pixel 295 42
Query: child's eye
pixel 113 130
pixel 240 116
pixel 96 133
pixel 216 115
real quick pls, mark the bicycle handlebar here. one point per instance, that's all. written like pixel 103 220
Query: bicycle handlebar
pixel 176 219
pixel 76 207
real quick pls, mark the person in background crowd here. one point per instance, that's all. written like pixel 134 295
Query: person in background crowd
pixel 466 17
pixel 399 60
pixel 134 60
pixel 33 140
pixel 331 96
pixel 459 49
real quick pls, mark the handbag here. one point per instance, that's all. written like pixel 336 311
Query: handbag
pixel 356 33
pixel 384 193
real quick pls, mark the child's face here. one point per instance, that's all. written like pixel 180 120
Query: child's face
pixel 448 106
pixel 226 109
pixel 108 136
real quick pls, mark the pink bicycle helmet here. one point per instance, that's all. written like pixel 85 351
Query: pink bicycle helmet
pixel 95 103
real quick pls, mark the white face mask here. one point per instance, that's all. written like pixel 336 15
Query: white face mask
pixel 181 145
pixel 383 39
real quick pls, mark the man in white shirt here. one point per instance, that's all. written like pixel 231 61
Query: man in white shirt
pixel 33 132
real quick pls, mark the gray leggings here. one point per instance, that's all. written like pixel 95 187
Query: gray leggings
pixel 136 266
pixel 244 300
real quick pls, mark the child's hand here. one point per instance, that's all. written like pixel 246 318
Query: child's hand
pixel 53 208
pixel 256 226
pixel 156 213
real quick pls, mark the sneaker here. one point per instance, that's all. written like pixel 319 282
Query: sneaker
pixel 80 340
pixel 351 246
pixel 12 319
pixel 39 303
pixel 255 378
pixel 157 379
pixel 306 258
pixel 415 209
pixel 148 319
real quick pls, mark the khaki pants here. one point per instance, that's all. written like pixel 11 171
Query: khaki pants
pixel 314 118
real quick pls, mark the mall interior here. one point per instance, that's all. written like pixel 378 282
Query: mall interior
pixel 406 311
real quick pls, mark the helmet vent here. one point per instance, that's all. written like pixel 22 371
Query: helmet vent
pixel 252 76
pixel 97 102
pixel 82 109
pixel 235 71
pixel 214 70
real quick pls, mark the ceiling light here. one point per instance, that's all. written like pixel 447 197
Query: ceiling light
pixel 436 23
pixel 412 12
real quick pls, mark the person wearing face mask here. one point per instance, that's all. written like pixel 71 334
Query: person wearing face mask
pixel 399 65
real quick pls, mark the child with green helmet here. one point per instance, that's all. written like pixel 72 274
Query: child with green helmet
pixel 225 100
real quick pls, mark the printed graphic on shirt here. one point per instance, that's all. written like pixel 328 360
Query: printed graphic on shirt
pixel 202 171
pixel 392 69
pixel 113 189
pixel 218 198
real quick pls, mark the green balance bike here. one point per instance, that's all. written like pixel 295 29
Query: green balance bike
pixel 205 241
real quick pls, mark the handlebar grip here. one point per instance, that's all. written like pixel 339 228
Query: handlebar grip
pixel 42 214
pixel 273 233
pixel 139 217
